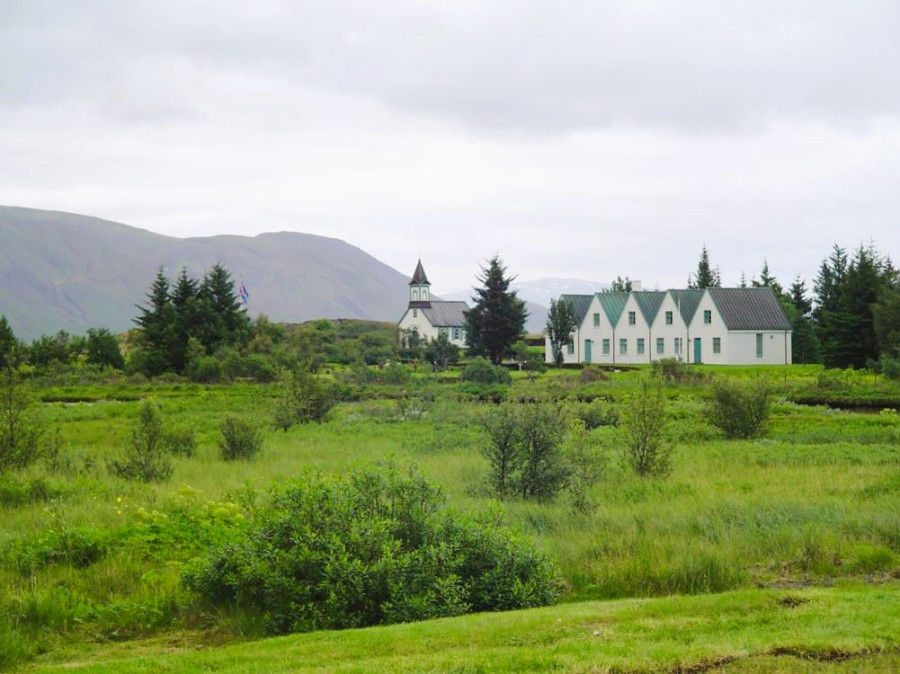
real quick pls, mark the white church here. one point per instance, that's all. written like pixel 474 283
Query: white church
pixel 430 318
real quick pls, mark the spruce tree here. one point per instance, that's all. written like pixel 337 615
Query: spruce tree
pixel 497 320
pixel 156 323
pixel 705 276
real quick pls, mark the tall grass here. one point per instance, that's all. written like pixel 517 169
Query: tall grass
pixel 813 500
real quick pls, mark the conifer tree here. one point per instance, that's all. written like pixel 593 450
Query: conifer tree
pixel 497 320
pixel 705 276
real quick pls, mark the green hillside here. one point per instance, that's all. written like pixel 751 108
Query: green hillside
pixel 71 272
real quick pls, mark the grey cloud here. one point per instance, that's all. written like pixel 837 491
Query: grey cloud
pixel 522 65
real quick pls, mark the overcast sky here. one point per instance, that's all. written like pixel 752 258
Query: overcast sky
pixel 584 139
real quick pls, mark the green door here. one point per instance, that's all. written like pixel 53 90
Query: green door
pixel 698 356
pixel 587 351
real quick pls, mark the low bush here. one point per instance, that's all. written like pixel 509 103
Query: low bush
pixel 304 398
pixel 647 449
pixel 241 439
pixel 592 373
pixel 739 411
pixel 482 371
pixel 374 548
pixel 147 459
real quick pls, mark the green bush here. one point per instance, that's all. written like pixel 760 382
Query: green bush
pixel 304 397
pixel 374 548
pixel 596 414
pixel 647 449
pixel 21 423
pixel 180 440
pixel 147 460
pixel 524 448
pixel 482 371
pixel 739 411
pixel 592 373
pixel 241 439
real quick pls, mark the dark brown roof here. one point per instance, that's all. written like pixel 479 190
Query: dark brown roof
pixel 419 277
pixel 750 308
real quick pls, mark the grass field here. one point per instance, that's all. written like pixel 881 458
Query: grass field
pixel 759 551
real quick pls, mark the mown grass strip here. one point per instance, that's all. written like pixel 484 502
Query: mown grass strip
pixel 736 630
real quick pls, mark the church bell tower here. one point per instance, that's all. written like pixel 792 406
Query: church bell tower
pixel 419 289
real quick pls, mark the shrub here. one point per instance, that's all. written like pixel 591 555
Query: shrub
pixel 21 425
pixel 241 439
pixel 643 427
pixel 304 398
pixel 180 440
pixel 207 370
pixel 373 548
pixel 524 449
pixel 890 368
pixel 596 414
pixel 592 373
pixel 481 371
pixel 147 459
pixel 739 412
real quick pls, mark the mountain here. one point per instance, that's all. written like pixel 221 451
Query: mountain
pixel 537 295
pixel 61 271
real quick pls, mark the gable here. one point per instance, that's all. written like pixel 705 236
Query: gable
pixel 649 302
pixel 582 304
pixel 613 305
pixel 687 302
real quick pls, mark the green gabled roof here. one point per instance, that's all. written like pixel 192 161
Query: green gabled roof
pixel 581 304
pixel 687 301
pixel 750 308
pixel 649 302
pixel 613 305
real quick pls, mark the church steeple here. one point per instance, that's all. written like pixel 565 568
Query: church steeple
pixel 419 288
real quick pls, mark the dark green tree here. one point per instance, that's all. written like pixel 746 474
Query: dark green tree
pixel 157 329
pixel 621 285
pixel 225 321
pixel 440 351
pixel 799 298
pixel 829 304
pixel 766 280
pixel 886 315
pixel 103 349
pixel 189 317
pixel 561 323
pixel 497 320
pixel 8 343
pixel 705 276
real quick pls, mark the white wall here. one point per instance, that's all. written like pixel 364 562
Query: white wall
pixel 776 348
pixel 669 332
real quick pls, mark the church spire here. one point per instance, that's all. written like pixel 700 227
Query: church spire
pixel 419 288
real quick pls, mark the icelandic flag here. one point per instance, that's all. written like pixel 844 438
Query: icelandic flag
pixel 245 296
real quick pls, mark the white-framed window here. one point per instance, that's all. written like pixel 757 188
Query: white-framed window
pixel 606 347
pixel 623 347
pixel 669 318
pixel 632 318
pixel 596 320
pixel 570 347
pixel 759 345
pixel 717 345
pixel 456 334
pixel 707 317
pixel 443 331
pixel 660 346
pixel 677 346
pixel 640 346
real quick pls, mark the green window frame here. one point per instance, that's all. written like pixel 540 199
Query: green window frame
pixel 660 345
pixel 596 320
pixel 606 347
pixel 570 347
pixel 759 345
pixel 632 318
pixel 669 318
pixel 707 317
pixel 717 345
pixel 640 346
pixel 623 347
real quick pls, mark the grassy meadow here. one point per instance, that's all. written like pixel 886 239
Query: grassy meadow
pixel 791 540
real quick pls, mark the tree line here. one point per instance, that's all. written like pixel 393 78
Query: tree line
pixel 852 316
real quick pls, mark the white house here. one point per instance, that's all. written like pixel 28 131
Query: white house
pixel 717 325
pixel 430 318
